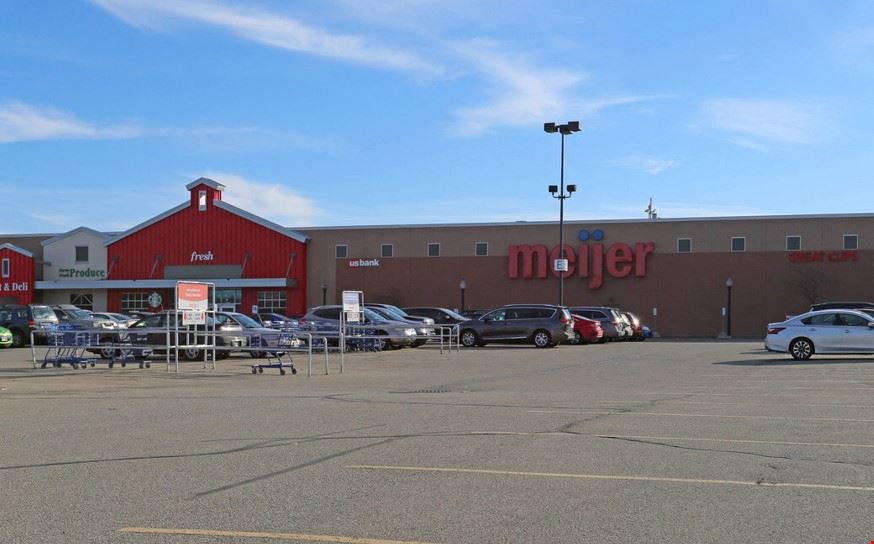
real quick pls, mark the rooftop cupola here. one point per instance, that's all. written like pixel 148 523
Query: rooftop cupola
pixel 203 192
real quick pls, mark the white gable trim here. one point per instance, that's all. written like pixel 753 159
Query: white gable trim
pixel 16 249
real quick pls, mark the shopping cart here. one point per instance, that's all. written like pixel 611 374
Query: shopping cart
pixel 68 345
pixel 276 348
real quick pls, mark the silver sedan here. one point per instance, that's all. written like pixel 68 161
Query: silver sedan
pixel 824 331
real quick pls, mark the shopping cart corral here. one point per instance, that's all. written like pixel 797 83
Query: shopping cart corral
pixel 65 345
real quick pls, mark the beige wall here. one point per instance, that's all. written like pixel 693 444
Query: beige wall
pixel 61 254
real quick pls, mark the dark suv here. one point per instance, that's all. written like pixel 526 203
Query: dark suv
pixel 543 325
pixel 21 320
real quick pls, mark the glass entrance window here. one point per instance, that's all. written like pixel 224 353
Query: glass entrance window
pixel 226 297
pixel 272 301
pixel 82 300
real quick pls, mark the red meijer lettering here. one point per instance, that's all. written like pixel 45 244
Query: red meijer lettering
pixel 619 260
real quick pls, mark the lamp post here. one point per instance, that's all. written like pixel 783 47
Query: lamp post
pixel 324 294
pixel 561 264
pixel 462 285
pixel 729 283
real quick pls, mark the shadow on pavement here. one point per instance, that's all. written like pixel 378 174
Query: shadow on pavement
pixel 788 361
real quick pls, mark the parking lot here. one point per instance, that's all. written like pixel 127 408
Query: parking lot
pixel 634 442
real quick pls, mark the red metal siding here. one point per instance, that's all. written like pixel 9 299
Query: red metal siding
pixel 19 284
pixel 227 236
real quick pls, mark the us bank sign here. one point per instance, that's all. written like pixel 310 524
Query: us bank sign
pixel 589 261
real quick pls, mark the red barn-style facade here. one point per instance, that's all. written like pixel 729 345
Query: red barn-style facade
pixel 251 261
pixel 16 275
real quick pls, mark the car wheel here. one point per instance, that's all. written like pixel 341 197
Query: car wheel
pixel 542 339
pixel 257 354
pixel 801 349
pixel 107 353
pixel 191 354
pixel 469 338
pixel 17 339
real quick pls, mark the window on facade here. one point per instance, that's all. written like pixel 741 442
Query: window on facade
pixel 481 249
pixel 5 272
pixel 201 201
pixel 81 254
pixel 225 298
pixel 386 250
pixel 82 300
pixel 793 243
pixel 135 301
pixel 341 251
pixel 272 301
pixel 433 250
pixel 851 241
pixel 739 244
pixel 684 245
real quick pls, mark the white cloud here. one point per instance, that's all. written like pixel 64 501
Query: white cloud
pixel 268 28
pixel 22 122
pixel 753 121
pixel 272 201
pixel 650 165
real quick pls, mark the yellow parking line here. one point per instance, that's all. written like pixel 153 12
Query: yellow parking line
pixel 736 441
pixel 262 535
pixel 722 416
pixel 614 477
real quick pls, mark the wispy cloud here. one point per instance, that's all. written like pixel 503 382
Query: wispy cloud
pixel 23 122
pixel 650 165
pixel 54 219
pixel 521 93
pixel 273 201
pixel 752 122
pixel 684 209
pixel 268 28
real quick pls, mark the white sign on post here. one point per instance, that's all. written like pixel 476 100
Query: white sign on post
pixel 352 306
pixel 561 265
pixel 193 300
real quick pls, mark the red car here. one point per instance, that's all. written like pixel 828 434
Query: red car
pixel 587 330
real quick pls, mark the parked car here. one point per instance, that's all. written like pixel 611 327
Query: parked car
pixel 822 331
pixel 587 331
pixel 22 319
pixel 254 332
pixel 636 327
pixel 424 325
pixel 152 332
pixel 273 320
pixel 397 334
pixel 5 338
pixel 441 316
pixel 852 305
pixel 121 320
pixel 73 315
pixel 543 325
pixel 613 325
pixel 473 314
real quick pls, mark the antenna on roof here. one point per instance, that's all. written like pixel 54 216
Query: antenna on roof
pixel 650 211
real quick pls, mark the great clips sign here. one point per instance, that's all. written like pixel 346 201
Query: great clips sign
pixel 590 261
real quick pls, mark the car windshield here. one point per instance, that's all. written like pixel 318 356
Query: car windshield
pixel 246 321
pixel 79 314
pixel 455 315
pixel 42 312
pixel 370 315
pixel 391 312
pixel 396 310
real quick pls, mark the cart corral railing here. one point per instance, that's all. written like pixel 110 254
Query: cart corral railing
pixel 82 347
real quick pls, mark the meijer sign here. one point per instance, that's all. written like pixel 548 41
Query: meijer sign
pixel 591 261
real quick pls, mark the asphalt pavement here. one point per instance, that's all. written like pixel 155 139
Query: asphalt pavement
pixel 716 442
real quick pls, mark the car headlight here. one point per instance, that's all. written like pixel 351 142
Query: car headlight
pixel 410 332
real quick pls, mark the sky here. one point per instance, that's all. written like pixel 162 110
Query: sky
pixel 371 112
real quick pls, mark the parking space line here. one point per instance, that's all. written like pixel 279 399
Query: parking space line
pixel 676 438
pixel 301 537
pixel 812 405
pixel 722 416
pixel 615 477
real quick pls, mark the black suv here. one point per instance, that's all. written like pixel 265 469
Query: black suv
pixel 543 325
pixel 21 320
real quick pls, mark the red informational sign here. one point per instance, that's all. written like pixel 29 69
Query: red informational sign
pixel 845 256
pixel 192 296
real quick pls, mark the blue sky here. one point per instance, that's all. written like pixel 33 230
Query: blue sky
pixel 346 112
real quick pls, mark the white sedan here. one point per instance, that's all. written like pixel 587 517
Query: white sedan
pixel 823 331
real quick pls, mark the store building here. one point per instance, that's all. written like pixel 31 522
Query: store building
pixel 671 272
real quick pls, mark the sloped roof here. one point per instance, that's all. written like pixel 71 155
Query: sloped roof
pixel 205 181
pixel 147 223
pixel 16 249
pixel 86 230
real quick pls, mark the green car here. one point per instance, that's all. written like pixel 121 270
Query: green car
pixel 5 338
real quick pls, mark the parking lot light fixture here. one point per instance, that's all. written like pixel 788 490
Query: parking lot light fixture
pixel 559 192
pixel 462 285
pixel 729 283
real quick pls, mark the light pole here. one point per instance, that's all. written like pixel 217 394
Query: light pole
pixel 324 294
pixel 729 283
pixel 561 264
pixel 462 285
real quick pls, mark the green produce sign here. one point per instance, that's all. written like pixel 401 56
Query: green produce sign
pixel 76 273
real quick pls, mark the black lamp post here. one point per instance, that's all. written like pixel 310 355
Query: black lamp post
pixel 558 192
pixel 729 283
pixel 462 285
pixel 324 294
